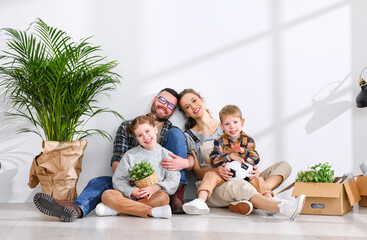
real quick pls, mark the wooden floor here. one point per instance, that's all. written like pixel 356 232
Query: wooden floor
pixel 23 221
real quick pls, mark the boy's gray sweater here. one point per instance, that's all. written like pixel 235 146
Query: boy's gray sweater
pixel 168 180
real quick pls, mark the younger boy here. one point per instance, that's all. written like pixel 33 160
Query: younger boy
pixel 233 145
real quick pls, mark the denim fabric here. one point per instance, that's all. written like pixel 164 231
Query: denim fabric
pixel 92 193
pixel 174 141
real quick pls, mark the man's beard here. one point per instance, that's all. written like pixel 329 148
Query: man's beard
pixel 159 118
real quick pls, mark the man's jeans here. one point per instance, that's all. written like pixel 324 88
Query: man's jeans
pixel 92 193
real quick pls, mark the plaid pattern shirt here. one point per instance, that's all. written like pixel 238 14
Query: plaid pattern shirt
pixel 223 147
pixel 125 141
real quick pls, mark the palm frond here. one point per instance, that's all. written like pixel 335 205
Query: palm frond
pixel 53 81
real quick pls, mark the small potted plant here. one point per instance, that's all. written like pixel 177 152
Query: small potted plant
pixel 143 174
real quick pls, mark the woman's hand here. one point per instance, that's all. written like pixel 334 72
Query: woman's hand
pixel 225 173
pixel 176 164
pixel 236 157
pixel 147 192
pixel 255 172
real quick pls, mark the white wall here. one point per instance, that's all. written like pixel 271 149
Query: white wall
pixel 291 65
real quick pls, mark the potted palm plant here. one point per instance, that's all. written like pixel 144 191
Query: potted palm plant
pixel 52 82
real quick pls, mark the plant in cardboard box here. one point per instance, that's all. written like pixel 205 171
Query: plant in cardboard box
pixel 320 172
pixel 143 174
pixel 52 82
pixel 323 195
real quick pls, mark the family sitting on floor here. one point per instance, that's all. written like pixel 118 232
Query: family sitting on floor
pixel 205 147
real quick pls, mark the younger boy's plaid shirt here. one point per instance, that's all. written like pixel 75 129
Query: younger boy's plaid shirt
pixel 125 141
pixel 222 149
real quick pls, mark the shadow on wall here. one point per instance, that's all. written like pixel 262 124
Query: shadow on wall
pixel 325 110
pixel 11 156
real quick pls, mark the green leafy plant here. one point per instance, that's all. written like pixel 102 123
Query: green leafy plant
pixel 53 81
pixel 321 173
pixel 141 170
pixel 305 176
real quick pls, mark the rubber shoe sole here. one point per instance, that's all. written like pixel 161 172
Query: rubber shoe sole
pixel 47 205
pixel 244 208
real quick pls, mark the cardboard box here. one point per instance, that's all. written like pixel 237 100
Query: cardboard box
pixel 362 188
pixel 327 198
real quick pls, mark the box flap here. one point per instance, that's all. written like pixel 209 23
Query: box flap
pixel 285 189
pixel 362 185
pixel 352 191
pixel 329 190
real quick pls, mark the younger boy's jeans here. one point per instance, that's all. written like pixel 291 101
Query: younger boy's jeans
pixel 92 193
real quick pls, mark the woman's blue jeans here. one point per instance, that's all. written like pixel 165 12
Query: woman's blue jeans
pixel 92 193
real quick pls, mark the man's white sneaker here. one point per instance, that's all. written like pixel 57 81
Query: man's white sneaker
pixel 103 210
pixel 196 206
pixel 242 207
pixel 292 208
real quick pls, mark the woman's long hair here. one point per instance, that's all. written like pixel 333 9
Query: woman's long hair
pixel 190 122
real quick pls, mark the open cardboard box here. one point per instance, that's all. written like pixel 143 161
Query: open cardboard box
pixel 362 188
pixel 327 198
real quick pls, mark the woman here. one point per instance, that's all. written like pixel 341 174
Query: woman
pixel 239 195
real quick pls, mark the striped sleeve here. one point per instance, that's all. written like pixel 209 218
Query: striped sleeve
pixel 217 157
pixel 250 155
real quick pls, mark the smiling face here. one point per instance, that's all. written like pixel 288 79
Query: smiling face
pixel 192 105
pixel 146 135
pixel 161 111
pixel 232 126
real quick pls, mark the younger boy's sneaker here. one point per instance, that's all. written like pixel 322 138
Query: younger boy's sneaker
pixel 292 208
pixel 242 207
pixel 103 210
pixel 196 206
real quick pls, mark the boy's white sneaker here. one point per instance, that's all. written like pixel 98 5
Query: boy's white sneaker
pixel 292 208
pixel 242 207
pixel 196 206
pixel 103 210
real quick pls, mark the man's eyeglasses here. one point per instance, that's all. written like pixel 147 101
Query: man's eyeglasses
pixel 164 101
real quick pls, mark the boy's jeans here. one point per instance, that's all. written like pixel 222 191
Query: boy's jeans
pixel 92 193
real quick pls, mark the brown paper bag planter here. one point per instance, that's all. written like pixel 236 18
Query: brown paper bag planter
pixel 57 168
